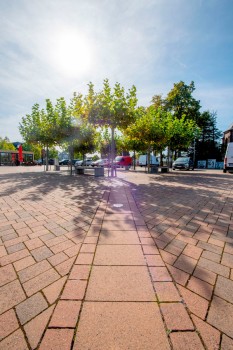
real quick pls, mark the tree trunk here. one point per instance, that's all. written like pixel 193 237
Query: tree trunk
pixel 148 160
pixel 112 150
pixel 47 158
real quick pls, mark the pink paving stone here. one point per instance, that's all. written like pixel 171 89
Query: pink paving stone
pixel 224 289
pixel 119 237
pixel 31 307
pixel 194 302
pixel 154 260
pixel 11 258
pixel 94 230
pixel 211 256
pixel 41 281
pixel 33 270
pixel 41 253
pixel 84 259
pixel 227 343
pixel 57 258
pixel 147 241
pixel 179 276
pixel 118 225
pixel 210 335
pixel 160 244
pixel 7 274
pixel 148 249
pixel 205 275
pixel 116 326
pixel 186 340
pixel 9 323
pixel 16 241
pixel 72 251
pixel 74 289
pixel 23 263
pixel 159 274
pixel 61 246
pixel 185 263
pixel 10 295
pixel 34 243
pixel 176 316
pixel 80 272
pixel 55 241
pixel 214 267
pixel 15 341
pixel 53 291
pixel 166 291
pixel 121 283
pixel 216 242
pixel 59 339
pixel 23 231
pixel 173 249
pixel 220 315
pixel 192 251
pixel 66 314
pixel 119 255
pixel 144 234
pixel 88 248
pixel 90 240
pixel 35 328
pixel 227 260
pixel 168 257
pixel 65 267
pixel 3 251
pixel 200 287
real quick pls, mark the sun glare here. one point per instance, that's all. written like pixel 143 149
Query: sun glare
pixel 71 53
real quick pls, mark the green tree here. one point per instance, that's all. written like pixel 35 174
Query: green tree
pixel 5 144
pixel 109 108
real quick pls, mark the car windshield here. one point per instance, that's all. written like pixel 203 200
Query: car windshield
pixel 182 160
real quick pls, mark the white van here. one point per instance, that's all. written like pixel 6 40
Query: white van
pixel 228 160
pixel 143 160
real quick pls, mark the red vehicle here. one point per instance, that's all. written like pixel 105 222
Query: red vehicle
pixel 123 161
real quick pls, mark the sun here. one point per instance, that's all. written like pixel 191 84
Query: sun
pixel 71 53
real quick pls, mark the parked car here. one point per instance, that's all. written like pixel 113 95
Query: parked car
pixel 143 160
pixel 123 161
pixel 228 160
pixel 64 162
pixel 184 163
pixel 85 162
pixel 100 162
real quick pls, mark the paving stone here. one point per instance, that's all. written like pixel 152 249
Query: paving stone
pixel 192 251
pixel 88 248
pixel 227 260
pixel 31 307
pixel 205 275
pixel 214 267
pixel 209 334
pixel 211 256
pixel 80 272
pixel 122 283
pixel 11 294
pixel 9 323
pixel 59 339
pixel 34 243
pixel 119 237
pixel 61 246
pixel 65 267
pixel 41 281
pixel 11 258
pixel 66 314
pixel 109 326
pixel 148 249
pixel 84 259
pixel 35 328
pixel 34 270
pixel 224 289
pixel 41 253
pixel 179 276
pixel 118 226
pixel 55 241
pixel 7 274
pixel 185 263
pixel 220 315
pixel 166 291
pixel 3 251
pixel 176 316
pixel 73 251
pixel 119 255
pixel 227 343
pixel 154 260
pixel 200 287
pixel 173 249
pixel 57 258
pixel 196 304
pixel 53 291
pixel 24 263
pixel 168 257
pixel 16 241
pixel 186 340
pixel 210 247
pixel 159 274
pixel 74 290
pixel 15 341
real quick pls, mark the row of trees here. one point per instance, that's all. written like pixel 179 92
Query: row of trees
pixel 111 119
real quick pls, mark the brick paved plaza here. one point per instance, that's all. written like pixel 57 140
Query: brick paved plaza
pixel 137 262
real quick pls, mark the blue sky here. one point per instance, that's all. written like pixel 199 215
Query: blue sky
pixel 51 48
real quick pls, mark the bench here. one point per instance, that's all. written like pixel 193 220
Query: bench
pixel 98 171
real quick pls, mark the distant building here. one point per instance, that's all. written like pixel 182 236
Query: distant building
pixel 228 135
